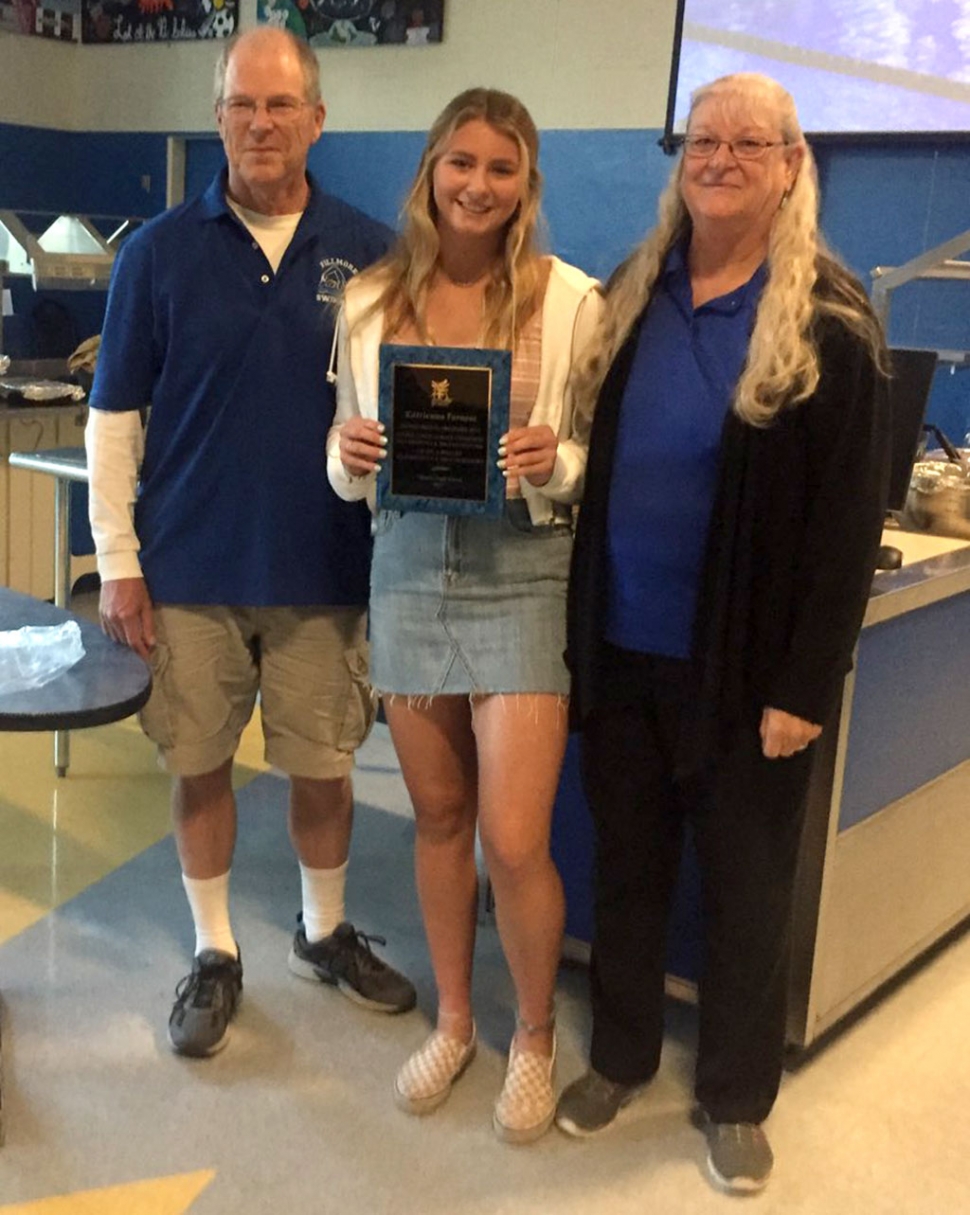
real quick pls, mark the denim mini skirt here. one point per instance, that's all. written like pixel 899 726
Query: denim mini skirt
pixel 463 605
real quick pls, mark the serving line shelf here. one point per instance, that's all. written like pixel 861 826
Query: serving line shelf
pixel 27 503
pixel 944 261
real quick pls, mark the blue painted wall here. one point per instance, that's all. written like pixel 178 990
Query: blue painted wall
pixel 63 171
pixel 883 204
pixel 601 186
pixel 886 204
pixel 87 174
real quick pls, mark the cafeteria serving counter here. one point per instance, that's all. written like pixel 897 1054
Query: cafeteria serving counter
pixel 885 867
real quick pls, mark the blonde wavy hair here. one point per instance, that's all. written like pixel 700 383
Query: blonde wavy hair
pixel 804 279
pixel 515 290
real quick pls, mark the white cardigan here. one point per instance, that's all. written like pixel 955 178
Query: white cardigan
pixel 571 309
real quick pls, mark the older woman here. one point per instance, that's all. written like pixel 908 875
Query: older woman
pixel 468 615
pixel 734 499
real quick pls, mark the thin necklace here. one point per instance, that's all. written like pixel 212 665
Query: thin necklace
pixel 431 340
pixel 465 282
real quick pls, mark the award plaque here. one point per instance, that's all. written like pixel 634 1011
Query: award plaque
pixel 444 409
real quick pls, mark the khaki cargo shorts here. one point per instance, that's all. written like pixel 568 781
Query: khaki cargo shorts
pixel 307 664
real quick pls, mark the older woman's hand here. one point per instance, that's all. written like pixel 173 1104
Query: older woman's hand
pixel 362 446
pixel 530 452
pixel 783 734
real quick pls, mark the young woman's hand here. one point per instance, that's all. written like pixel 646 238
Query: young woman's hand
pixel 362 446
pixel 530 452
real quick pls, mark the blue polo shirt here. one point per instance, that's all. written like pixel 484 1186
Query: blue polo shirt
pixel 234 505
pixel 665 466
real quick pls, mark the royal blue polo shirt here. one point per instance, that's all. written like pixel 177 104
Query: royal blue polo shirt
pixel 665 466
pixel 234 504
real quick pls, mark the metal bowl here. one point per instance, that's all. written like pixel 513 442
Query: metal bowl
pixel 939 498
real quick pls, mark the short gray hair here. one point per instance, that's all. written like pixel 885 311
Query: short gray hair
pixel 302 49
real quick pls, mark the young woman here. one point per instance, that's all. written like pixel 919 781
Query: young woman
pixel 468 614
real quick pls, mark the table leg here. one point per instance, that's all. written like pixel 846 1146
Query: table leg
pixel 62 594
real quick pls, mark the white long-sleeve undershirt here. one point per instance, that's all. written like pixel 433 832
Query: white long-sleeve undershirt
pixel 115 444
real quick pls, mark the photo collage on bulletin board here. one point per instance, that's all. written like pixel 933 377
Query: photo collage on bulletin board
pixel 42 18
pixel 355 23
pixel 157 20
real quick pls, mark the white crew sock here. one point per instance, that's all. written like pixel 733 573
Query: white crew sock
pixel 323 900
pixel 209 903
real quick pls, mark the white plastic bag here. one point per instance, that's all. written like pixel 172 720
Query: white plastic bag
pixel 35 654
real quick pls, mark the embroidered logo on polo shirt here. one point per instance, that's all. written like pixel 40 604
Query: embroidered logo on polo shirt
pixel 335 274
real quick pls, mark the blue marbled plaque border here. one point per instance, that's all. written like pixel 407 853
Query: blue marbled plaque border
pixel 500 363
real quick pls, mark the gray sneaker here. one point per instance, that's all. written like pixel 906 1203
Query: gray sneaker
pixel 206 1001
pixel 739 1157
pixel 591 1103
pixel 345 960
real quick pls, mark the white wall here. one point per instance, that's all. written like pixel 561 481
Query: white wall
pixel 37 81
pixel 572 65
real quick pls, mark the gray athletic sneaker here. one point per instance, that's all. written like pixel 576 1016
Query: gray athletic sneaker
pixel 739 1157
pixel 345 960
pixel 591 1103
pixel 206 1001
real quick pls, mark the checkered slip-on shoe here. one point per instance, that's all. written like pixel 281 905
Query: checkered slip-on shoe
pixel 527 1103
pixel 425 1080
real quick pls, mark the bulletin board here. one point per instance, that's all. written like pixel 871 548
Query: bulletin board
pixel 58 19
pixel 121 21
pixel 357 23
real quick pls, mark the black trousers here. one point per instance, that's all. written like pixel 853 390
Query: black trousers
pixel 747 820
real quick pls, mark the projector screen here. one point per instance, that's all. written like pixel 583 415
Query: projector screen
pixel 853 66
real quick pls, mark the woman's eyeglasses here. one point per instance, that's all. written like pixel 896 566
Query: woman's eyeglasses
pixel 703 147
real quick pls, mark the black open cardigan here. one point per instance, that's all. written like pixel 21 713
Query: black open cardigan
pixel 790 555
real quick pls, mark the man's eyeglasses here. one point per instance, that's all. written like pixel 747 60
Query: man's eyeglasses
pixel 703 147
pixel 243 109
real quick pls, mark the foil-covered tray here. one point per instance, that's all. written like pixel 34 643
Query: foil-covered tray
pixel 939 496
pixel 27 390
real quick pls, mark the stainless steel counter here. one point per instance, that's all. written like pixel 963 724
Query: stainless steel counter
pixel 884 873
pixel 937 568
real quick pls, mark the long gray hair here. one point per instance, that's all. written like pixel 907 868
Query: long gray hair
pixel 782 366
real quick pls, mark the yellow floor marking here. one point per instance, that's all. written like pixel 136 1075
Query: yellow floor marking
pixel 162 1196
pixel 16 914
pixel 62 835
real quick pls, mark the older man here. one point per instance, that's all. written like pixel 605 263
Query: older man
pixel 237 571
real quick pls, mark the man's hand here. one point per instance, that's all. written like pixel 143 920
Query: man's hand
pixel 530 452
pixel 783 734
pixel 126 613
pixel 362 446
